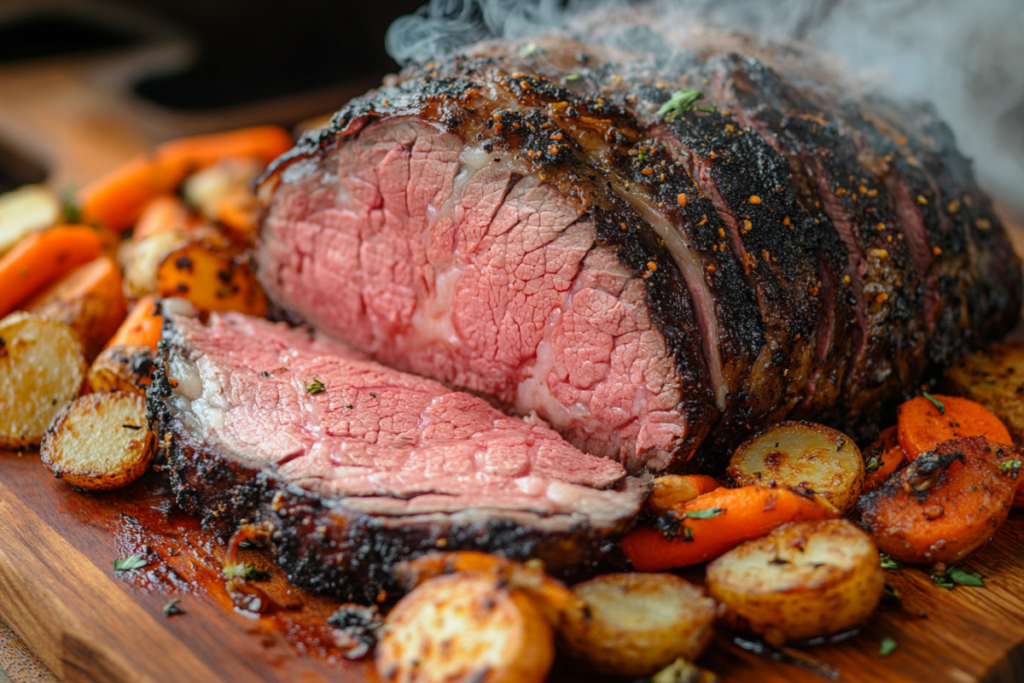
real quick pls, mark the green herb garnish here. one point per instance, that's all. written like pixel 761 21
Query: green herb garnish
pixel 265 374
pixel 681 102
pixel 687 533
pixel 572 77
pixel 248 572
pixel 887 647
pixel 891 594
pixel 954 576
pixel 704 514
pixel 129 563
pixel 872 464
pixel 316 387
pixel 888 562
pixel 172 608
pixel 529 50
pixel 373 394
pixel 935 402
pixel 69 205
pixel 1009 465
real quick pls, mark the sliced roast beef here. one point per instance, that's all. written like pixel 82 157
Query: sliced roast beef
pixel 532 225
pixel 354 465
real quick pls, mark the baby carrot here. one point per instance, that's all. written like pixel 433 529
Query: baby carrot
pixel 882 459
pixel 42 257
pixel 715 522
pixel 142 327
pixel 116 199
pixel 927 422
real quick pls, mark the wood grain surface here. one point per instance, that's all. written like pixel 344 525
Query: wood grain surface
pixel 59 590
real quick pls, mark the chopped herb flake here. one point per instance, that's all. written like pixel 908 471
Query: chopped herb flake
pixel 872 464
pixel 954 576
pixel 887 647
pixel 687 533
pixel 129 563
pixel 529 50
pixel 316 387
pixel 248 572
pixel 935 402
pixel 172 608
pixel 373 394
pixel 572 77
pixel 888 562
pixel 704 514
pixel 1010 465
pixel 135 427
pixel 892 595
pixel 681 102
pixel 265 373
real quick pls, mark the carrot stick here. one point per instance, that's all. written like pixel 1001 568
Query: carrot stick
pixel 717 521
pixel 42 257
pixel 883 458
pixel 116 199
pixel 142 327
pixel 924 426
pixel 673 490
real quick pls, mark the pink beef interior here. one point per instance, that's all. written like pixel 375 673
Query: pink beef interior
pixel 384 440
pixel 436 257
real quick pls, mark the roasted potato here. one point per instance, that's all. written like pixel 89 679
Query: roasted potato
pixel 100 442
pixel 42 368
pixel 467 626
pixel 802 455
pixel 24 210
pixel 212 276
pixel 802 580
pixel 995 379
pixel 670 491
pixel 551 595
pixel 946 504
pixel 222 193
pixel 141 259
pixel 636 624
pixel 88 299
pixel 122 368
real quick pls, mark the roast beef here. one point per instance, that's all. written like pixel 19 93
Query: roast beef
pixel 526 222
pixel 352 465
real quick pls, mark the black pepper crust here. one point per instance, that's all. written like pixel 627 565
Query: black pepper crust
pixel 332 549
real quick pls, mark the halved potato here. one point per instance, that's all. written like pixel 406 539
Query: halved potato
pixel 222 193
pixel 141 259
pixel 803 580
pixel 29 208
pixel 802 455
pixel 636 624
pixel 212 276
pixel 42 367
pixel 122 368
pixel 467 626
pixel 993 377
pixel 89 299
pixel 671 491
pixel 100 442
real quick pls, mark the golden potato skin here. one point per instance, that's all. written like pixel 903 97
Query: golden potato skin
pixel 466 626
pixel 803 580
pixel 636 624
pixel 802 455
pixel 42 368
pixel 100 442
pixel 994 378
pixel 122 368
pixel 213 276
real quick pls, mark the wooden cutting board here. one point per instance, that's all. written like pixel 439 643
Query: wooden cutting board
pixel 86 622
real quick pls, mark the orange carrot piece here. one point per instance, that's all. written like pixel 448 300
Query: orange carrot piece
pixel 116 199
pixel 718 521
pixel 41 258
pixel 923 426
pixel 673 490
pixel 886 456
pixel 142 327
pixel 163 214
pixel 946 503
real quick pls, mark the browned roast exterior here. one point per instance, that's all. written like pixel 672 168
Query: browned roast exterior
pixel 527 225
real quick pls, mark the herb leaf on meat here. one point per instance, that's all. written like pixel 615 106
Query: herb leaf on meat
pixel 681 102
pixel 129 563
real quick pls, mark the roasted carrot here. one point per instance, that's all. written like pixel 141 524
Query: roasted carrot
pixel 116 199
pixel 142 327
pixel 89 299
pixel 926 422
pixel 946 503
pixel 673 490
pixel 715 522
pixel 42 257
pixel 163 214
pixel 883 458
